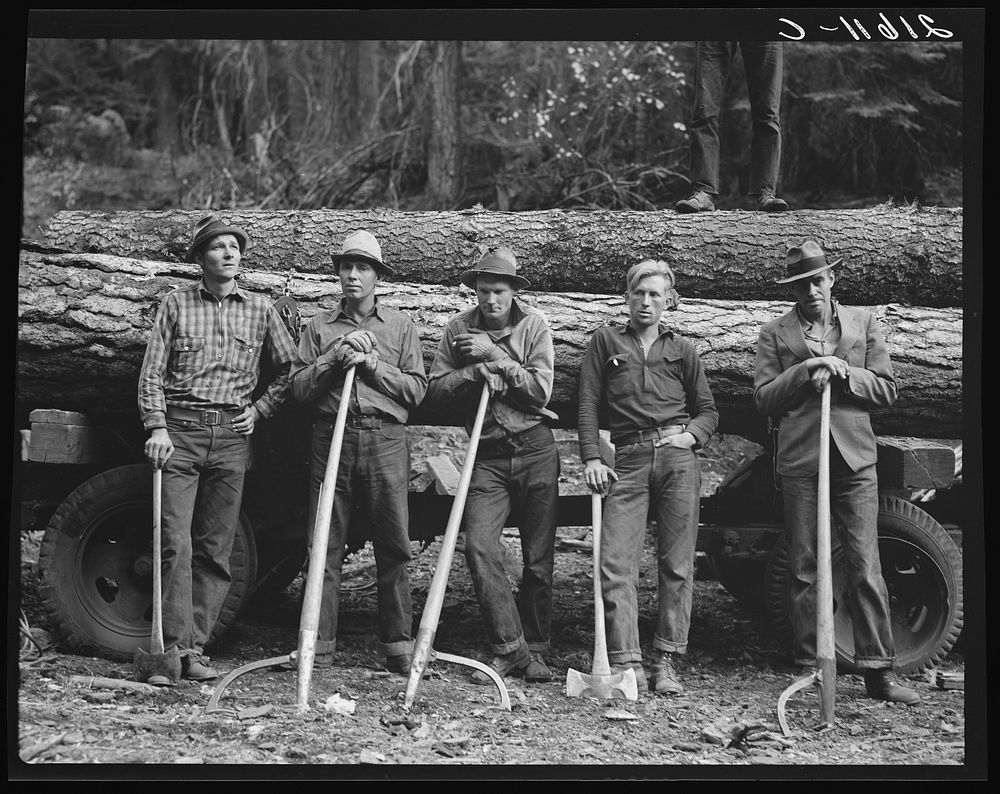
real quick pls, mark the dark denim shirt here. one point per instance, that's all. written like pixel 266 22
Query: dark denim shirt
pixel 641 391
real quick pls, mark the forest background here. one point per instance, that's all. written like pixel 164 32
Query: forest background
pixel 438 125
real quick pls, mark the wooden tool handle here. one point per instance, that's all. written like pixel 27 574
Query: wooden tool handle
pixel 313 596
pixel 825 651
pixel 601 666
pixel 156 641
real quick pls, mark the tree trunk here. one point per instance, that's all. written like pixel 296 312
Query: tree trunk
pixel 368 87
pixel 444 140
pixel 890 255
pixel 167 132
pixel 84 321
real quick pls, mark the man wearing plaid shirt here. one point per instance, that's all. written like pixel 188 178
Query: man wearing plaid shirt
pixel 202 364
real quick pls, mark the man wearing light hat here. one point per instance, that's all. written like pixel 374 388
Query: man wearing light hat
pixel 374 471
pixel 509 346
pixel 202 364
pixel 817 342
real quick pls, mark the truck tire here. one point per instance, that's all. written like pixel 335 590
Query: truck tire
pixel 95 566
pixel 922 568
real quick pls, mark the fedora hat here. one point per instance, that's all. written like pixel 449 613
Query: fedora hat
pixel 498 262
pixel 805 260
pixel 210 226
pixel 362 245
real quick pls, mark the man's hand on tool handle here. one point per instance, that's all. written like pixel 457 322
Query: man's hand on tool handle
pixel 158 448
pixel 496 382
pixel 361 340
pixel 475 344
pixel 598 476
pixel 825 367
pixel 365 361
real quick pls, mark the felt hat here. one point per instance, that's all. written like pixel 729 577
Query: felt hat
pixel 805 260
pixel 498 262
pixel 362 245
pixel 210 226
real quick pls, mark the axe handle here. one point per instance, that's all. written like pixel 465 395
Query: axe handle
pixel 601 666
pixel 313 595
pixel 424 641
pixel 156 641
pixel 825 654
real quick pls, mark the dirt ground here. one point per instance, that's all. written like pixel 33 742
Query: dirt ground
pixel 357 725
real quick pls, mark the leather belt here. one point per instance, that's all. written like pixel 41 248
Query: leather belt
pixel 511 444
pixel 638 436
pixel 360 421
pixel 202 416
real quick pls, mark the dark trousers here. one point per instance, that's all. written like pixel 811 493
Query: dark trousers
pixel 669 480
pixel 202 491
pixel 854 517
pixel 374 471
pixel 762 61
pixel 525 480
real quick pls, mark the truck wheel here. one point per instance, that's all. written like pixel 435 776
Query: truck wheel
pixel 922 568
pixel 279 561
pixel 95 565
pixel 743 579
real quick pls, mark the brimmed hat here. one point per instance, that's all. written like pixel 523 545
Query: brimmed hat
pixel 363 245
pixel 210 226
pixel 499 262
pixel 802 261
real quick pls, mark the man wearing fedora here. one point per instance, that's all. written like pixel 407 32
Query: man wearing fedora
pixel 508 345
pixel 650 385
pixel 202 364
pixel 816 342
pixel 374 471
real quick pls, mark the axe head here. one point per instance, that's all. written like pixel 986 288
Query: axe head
pixel 619 684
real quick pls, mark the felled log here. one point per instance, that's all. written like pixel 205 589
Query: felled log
pixel 891 254
pixel 84 320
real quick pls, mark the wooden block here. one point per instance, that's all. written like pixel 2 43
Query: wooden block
pixel 57 417
pixel 915 463
pixel 59 443
pixel 444 473
pixel 25 443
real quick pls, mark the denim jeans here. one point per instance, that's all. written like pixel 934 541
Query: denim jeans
pixel 664 482
pixel 854 516
pixel 762 62
pixel 526 483
pixel 374 472
pixel 202 491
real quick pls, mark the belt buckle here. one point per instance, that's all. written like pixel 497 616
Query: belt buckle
pixel 208 417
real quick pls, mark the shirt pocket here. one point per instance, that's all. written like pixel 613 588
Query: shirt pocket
pixel 246 353
pixel 617 371
pixel 666 379
pixel 186 353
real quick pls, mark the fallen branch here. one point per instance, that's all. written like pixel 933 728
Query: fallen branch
pixel 99 682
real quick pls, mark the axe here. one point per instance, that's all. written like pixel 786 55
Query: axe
pixel 313 595
pixel 600 682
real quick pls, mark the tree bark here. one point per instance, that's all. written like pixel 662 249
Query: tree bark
pixel 443 143
pixel 890 255
pixel 84 320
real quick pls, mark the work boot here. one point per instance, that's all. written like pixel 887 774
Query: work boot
pixel 665 680
pixel 537 671
pixel 642 683
pixel 699 202
pixel 399 664
pixel 504 664
pixel 194 667
pixel 879 685
pixel 768 202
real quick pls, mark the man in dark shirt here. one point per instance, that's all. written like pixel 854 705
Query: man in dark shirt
pixel 659 409
pixel 374 466
pixel 201 366
pixel 509 346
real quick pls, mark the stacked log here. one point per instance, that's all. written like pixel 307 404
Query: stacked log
pixel 84 319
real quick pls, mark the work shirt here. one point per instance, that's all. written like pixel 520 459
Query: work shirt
pixel 523 354
pixel 205 353
pixel 641 391
pixel 398 382
pixel 821 340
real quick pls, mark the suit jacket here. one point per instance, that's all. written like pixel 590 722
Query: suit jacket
pixel 783 391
